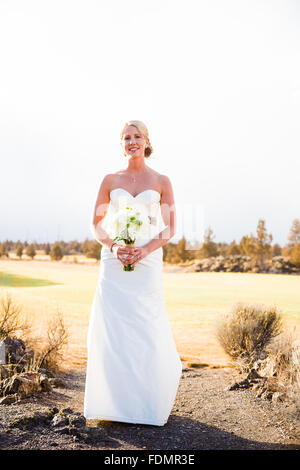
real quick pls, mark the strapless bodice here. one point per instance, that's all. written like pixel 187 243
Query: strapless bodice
pixel 149 199
pixel 148 196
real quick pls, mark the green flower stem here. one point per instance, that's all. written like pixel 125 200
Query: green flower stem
pixel 128 267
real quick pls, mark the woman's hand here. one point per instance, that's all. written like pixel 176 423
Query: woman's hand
pixel 138 253
pixel 122 253
pixel 129 254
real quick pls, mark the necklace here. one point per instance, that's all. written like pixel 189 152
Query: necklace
pixel 134 177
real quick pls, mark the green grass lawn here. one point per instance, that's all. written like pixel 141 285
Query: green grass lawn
pixel 196 297
pixel 195 302
pixel 8 279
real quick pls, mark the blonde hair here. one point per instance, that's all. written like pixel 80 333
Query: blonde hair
pixel 143 130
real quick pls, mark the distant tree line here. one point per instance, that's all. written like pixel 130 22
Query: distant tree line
pixel 259 247
pixel 56 250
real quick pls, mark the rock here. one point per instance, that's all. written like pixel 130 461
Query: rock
pixel 61 430
pixel 90 435
pixel 46 372
pixel 41 418
pixel 16 352
pixel 4 372
pixel 261 391
pixel 45 383
pixel 53 411
pixel 9 399
pixel 38 419
pixel 267 394
pixel 67 411
pixel 231 263
pixel 2 353
pixel 273 385
pixel 243 384
pixel 242 263
pixel 265 367
pixel 23 384
pixel 277 397
pixel 256 387
pixel 282 264
pixel 253 380
pixel 73 431
pixel 57 382
pixel 253 374
pixel 59 420
pixel 77 421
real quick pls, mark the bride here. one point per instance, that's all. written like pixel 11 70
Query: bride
pixel 133 367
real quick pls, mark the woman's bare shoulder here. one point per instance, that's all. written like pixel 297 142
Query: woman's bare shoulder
pixel 164 180
pixel 110 178
pixel 157 175
pixel 157 179
pixel 160 180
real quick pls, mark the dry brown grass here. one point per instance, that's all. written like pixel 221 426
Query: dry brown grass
pixel 193 300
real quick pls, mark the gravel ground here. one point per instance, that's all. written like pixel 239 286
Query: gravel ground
pixel 206 415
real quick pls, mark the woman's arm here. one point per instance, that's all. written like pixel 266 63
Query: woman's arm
pixel 100 211
pixel 168 213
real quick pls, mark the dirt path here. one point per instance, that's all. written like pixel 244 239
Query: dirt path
pixel 206 415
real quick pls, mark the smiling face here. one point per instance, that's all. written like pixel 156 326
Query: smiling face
pixel 133 142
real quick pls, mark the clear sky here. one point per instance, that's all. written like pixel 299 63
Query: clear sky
pixel 216 82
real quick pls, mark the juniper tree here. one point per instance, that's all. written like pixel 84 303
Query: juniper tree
pixel 294 234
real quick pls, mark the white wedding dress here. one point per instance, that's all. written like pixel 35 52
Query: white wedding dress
pixel 133 367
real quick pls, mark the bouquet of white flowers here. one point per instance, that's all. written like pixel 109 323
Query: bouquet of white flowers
pixel 127 225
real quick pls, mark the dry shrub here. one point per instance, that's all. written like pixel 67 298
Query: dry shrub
pixel 57 337
pixel 284 354
pixel 246 331
pixel 12 320
pixel 48 352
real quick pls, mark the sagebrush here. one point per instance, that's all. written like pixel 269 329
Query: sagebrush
pixel 12 320
pixel 246 331
pixel 48 349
